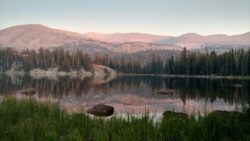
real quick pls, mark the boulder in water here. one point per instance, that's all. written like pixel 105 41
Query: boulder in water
pixel 225 114
pixel 172 114
pixel 166 92
pixel 28 91
pixel 101 110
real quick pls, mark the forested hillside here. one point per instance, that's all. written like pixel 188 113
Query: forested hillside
pixel 44 59
pixel 234 62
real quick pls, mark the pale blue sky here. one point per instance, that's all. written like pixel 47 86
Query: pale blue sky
pixel 166 17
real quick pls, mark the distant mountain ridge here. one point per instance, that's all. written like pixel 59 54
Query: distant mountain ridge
pixel 126 37
pixel 35 36
pixel 194 41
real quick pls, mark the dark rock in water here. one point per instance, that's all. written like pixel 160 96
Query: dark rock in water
pixel 166 92
pixel 101 110
pixel 237 85
pixel 225 113
pixel 175 114
pixel 29 91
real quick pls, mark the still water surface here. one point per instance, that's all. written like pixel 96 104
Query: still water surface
pixel 133 94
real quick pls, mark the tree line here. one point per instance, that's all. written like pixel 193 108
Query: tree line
pixel 233 62
pixel 44 59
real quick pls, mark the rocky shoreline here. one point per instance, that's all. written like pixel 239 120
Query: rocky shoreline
pixel 99 70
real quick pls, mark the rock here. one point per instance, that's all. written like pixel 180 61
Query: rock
pixel 103 70
pixel 16 69
pixel 29 91
pixel 166 92
pixel 101 110
pixel 175 114
pixel 237 85
pixel 39 72
pixel 101 79
pixel 98 70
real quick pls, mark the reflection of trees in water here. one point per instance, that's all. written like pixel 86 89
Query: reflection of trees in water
pixel 45 87
pixel 65 86
pixel 213 89
pixel 193 88
pixel 130 85
pixel 141 85
pixel 7 85
pixel 101 88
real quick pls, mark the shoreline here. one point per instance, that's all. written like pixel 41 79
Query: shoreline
pixel 79 73
pixel 98 70
pixel 189 76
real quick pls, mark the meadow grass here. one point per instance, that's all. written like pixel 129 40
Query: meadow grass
pixel 27 120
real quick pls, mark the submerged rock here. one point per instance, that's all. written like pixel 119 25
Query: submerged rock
pixel 166 92
pixel 101 110
pixel 28 91
pixel 175 114
pixel 237 85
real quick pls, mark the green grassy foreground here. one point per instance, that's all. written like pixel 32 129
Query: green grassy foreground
pixel 28 120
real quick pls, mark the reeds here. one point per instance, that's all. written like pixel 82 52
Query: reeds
pixel 27 120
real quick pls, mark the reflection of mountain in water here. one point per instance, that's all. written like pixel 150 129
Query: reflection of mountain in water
pixel 136 94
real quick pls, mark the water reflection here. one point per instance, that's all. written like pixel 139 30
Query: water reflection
pixel 134 94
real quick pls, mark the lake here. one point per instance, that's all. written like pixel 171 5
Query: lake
pixel 133 95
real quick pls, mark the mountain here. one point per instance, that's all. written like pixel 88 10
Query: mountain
pixel 196 41
pixel 35 36
pixel 189 40
pixel 128 47
pixel 125 37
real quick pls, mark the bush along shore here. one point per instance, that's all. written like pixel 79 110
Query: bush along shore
pixel 27 120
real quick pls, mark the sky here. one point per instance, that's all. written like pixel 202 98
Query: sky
pixel 162 17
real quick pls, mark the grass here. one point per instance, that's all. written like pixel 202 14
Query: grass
pixel 27 120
